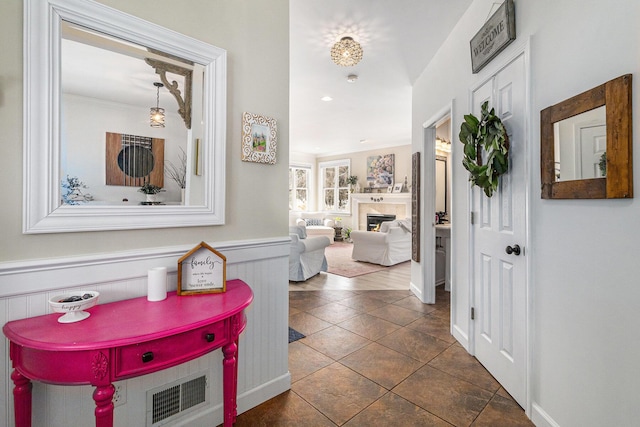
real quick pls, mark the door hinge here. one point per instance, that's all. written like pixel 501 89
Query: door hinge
pixel 473 313
pixel 472 217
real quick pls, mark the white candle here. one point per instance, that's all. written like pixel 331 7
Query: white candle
pixel 157 284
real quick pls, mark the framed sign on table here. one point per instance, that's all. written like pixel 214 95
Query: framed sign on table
pixel 202 270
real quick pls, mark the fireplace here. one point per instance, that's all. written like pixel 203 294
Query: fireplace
pixel 373 220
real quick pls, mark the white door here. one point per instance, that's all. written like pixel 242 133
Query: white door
pixel 593 144
pixel 499 226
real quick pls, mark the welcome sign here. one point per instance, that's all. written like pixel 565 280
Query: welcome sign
pixel 496 34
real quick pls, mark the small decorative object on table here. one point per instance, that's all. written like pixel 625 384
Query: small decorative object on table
pixel 202 270
pixel 73 305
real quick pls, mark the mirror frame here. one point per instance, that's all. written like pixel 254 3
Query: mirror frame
pixel 616 96
pixel 42 210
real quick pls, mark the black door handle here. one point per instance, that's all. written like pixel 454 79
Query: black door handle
pixel 515 249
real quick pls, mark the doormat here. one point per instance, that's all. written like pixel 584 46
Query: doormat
pixel 294 335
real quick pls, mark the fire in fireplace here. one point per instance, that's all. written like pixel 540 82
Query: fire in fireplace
pixel 374 220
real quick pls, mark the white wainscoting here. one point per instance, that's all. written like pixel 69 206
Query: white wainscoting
pixel 263 369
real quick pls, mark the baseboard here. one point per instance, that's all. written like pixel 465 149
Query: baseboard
pixel 417 291
pixel 254 397
pixel 540 418
pixel 461 337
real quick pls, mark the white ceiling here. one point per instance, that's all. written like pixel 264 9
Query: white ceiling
pixel 398 37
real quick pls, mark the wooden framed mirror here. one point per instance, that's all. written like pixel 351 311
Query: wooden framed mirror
pixel 586 144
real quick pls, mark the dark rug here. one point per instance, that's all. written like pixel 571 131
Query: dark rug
pixel 294 335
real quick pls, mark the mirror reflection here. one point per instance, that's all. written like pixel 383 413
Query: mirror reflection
pixel 441 184
pixel 110 147
pixel 580 146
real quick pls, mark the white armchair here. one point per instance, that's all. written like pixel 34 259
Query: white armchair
pixel 306 258
pixel 389 246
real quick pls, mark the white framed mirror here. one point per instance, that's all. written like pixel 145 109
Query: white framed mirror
pixel 75 105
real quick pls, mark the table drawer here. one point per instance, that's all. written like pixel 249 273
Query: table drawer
pixel 150 356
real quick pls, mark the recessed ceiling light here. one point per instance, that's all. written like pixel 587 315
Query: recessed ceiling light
pixel 362 141
pixel 326 98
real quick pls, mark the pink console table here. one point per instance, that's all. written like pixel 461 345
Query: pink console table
pixel 127 339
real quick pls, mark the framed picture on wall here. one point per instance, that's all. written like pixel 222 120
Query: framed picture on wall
pixel 259 138
pixel 380 170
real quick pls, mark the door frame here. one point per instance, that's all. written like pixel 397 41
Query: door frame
pixel 428 185
pixel 520 49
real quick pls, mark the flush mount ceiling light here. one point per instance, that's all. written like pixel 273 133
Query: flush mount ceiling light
pixel 351 78
pixel 347 52
pixel 156 116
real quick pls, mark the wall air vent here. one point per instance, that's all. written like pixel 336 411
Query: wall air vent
pixel 166 403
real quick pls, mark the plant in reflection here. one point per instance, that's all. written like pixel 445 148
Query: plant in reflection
pixel 178 172
pixel 148 188
pixel 72 191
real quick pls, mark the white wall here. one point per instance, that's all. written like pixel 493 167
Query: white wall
pixel 222 24
pixel 85 145
pixel 584 283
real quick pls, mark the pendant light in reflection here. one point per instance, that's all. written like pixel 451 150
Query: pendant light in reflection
pixel 156 115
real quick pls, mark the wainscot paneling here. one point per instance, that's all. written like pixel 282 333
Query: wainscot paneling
pixel 263 369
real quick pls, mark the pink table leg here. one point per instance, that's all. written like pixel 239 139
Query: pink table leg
pixel 21 399
pixel 229 381
pixel 103 396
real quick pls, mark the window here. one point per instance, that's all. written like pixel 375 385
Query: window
pixel 334 190
pixel 299 188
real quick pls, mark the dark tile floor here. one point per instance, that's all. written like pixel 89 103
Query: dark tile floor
pixel 381 358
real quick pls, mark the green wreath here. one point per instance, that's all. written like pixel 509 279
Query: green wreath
pixel 487 134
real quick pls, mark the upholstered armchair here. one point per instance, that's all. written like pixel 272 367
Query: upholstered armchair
pixel 389 246
pixel 306 258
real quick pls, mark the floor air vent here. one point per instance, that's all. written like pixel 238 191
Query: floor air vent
pixel 171 401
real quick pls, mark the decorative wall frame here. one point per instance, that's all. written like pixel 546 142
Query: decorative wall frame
pixel 259 138
pixel 132 160
pixel 380 170
pixel 202 270
pixel 415 207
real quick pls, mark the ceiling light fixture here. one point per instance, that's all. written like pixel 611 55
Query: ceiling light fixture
pixel 351 78
pixel 326 98
pixel 347 52
pixel 156 116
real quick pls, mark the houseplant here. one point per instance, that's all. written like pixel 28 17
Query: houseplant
pixel 352 180
pixel 486 134
pixel 150 190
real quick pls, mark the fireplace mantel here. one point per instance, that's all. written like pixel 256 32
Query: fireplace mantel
pixel 398 204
